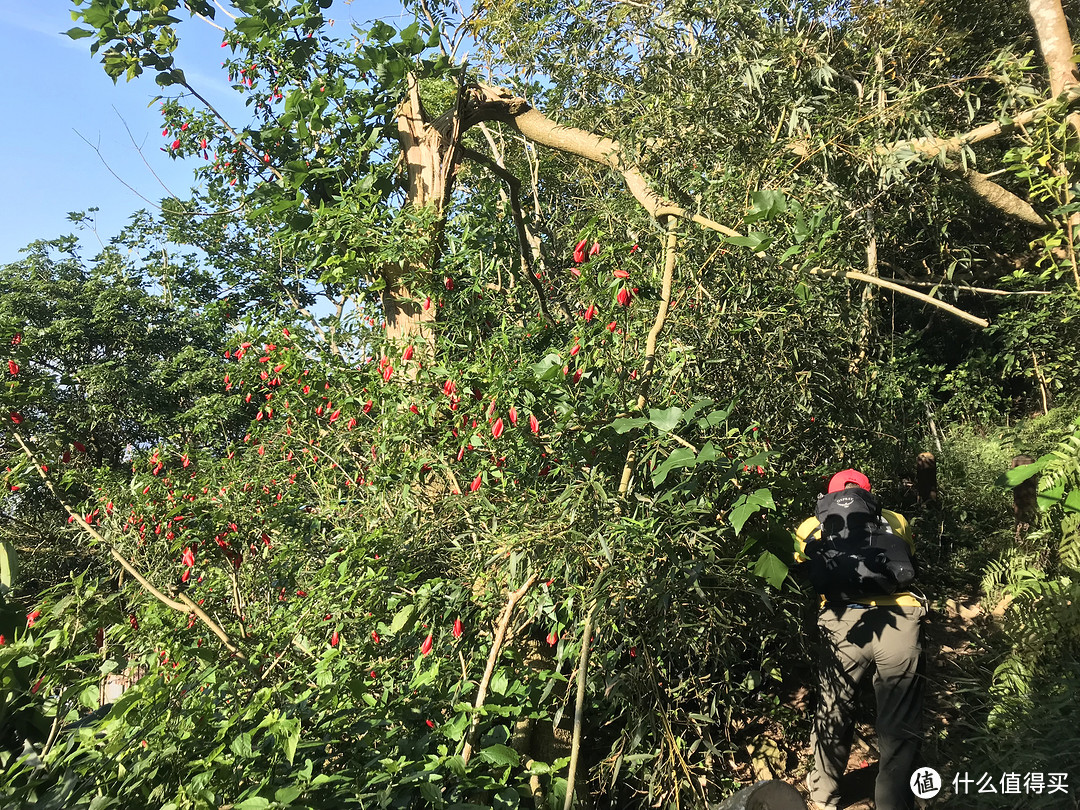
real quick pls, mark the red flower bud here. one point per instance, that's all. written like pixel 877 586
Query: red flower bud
pixel 448 283
pixel 624 297
pixel 375 639
pixel 456 632
pixel 590 312
pixel 475 485
pixel 497 428
pixel 13 367
pixel 408 354
pixel 425 648
pixel 620 273
pixel 579 252
pixel 513 415
pixel 534 424
pixel 334 637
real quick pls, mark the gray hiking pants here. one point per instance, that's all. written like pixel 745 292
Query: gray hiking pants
pixel 852 640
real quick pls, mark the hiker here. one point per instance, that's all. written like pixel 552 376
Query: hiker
pixel 858 557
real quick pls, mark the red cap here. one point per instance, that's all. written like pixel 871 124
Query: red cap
pixel 845 477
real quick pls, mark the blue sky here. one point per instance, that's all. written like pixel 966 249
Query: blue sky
pixel 56 98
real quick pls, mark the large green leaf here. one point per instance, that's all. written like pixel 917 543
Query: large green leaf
pixel 748 505
pixel 680 457
pixel 771 568
pixel 1018 475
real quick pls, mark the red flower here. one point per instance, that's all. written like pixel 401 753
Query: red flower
pixel 575 350
pixel 552 638
pixel 427 303
pixel 3 640
pixel 188 557
pixel 611 327
pixel 497 428
pixel 13 367
pixel 367 406
pixel 620 273
pixel 32 617
pixel 475 485
pixel 425 648
pixel 16 417
pixel 334 637
pixel 624 297
pixel 594 249
pixel 579 252
pixel 15 341
pixel 176 144
pixel 513 415
pixel 133 621
pixel 577 376
pixel 534 424
pixel 449 388
pixel 414 409
pixel 387 373
pixel 334 416
pixel 374 638
pixel 590 312
pixel 408 354
pixel 448 283
pixel 429 724
pixel 456 632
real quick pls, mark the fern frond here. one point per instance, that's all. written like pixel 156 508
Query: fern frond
pixel 1063 468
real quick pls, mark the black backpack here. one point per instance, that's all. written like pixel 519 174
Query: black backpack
pixel 854 553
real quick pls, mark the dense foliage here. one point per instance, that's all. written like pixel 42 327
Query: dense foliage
pixel 384 493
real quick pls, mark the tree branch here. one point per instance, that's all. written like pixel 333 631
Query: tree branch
pixel 184 605
pixel 519 224
pixel 493 658
pixel 496 104
pixel 933 147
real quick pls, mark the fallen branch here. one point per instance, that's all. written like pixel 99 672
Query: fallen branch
pixel 493 658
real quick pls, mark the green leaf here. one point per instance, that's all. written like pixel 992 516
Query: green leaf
pixel 287 795
pixel 681 457
pixel 666 420
pixel 771 568
pixel 714 418
pixel 548 368
pixel 1018 475
pixel 401 619
pixel 626 425
pixel 766 204
pixel 78 33
pixel 254 803
pixel 1072 502
pixel 241 746
pixel 748 505
pixel 499 754
pixel 752 240
pixel 9 566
